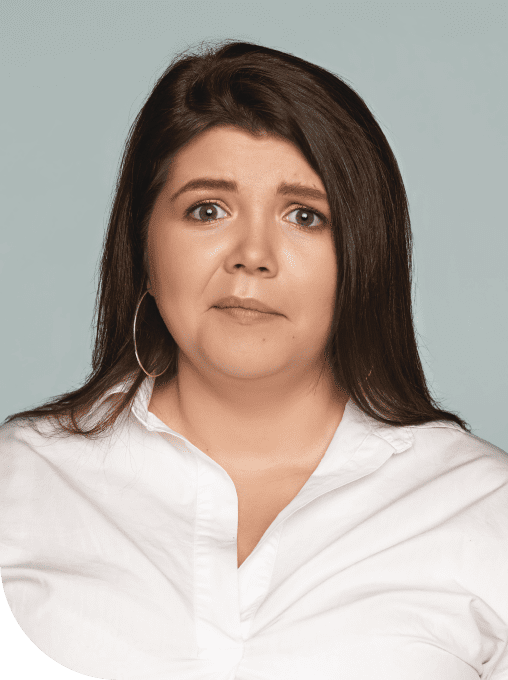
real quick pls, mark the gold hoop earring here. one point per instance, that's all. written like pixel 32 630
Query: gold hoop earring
pixel 135 346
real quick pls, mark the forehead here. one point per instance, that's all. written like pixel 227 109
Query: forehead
pixel 236 153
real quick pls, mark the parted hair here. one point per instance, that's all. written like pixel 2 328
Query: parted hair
pixel 372 348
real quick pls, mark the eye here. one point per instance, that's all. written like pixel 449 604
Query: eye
pixel 207 213
pixel 308 218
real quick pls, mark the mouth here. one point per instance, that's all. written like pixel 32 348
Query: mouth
pixel 247 309
pixel 247 316
pixel 248 304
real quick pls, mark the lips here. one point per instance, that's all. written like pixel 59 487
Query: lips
pixel 245 303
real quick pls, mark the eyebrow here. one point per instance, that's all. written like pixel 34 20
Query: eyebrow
pixel 284 188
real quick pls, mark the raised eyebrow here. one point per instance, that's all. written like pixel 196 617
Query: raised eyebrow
pixel 284 188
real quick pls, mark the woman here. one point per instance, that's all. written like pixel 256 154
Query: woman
pixel 271 493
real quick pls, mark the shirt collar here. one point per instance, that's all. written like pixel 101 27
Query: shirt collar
pixel 355 427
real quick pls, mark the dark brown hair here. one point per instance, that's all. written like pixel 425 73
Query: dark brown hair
pixel 261 89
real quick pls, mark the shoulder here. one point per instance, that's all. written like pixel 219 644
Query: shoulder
pixel 466 481
pixel 24 479
pixel 450 445
pixel 454 493
pixel 41 454
pixel 17 442
pixel 43 475
pixel 25 454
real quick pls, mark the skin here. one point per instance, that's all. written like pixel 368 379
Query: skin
pixel 246 394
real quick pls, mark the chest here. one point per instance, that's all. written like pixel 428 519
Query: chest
pixel 260 499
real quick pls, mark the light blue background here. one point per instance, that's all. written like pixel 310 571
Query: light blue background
pixel 75 74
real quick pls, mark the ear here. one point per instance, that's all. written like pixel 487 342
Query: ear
pixel 148 282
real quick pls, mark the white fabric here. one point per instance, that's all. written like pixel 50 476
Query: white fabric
pixel 119 557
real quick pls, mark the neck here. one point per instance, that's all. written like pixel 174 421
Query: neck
pixel 287 425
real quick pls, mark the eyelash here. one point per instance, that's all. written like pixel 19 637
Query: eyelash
pixel 297 207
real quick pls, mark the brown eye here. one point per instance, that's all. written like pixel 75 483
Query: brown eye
pixel 206 212
pixel 306 218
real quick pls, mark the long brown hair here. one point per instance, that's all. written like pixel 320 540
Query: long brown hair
pixel 261 89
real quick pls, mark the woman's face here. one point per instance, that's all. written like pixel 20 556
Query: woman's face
pixel 258 243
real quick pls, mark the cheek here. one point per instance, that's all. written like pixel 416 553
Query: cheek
pixel 323 277
pixel 183 280
pixel 173 261
pixel 322 290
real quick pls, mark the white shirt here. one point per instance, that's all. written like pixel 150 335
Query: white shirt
pixel 119 558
